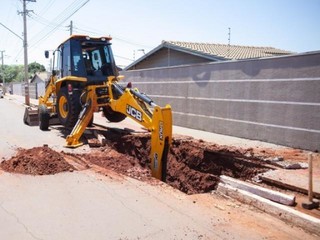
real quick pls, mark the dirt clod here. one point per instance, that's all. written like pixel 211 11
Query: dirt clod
pixel 37 161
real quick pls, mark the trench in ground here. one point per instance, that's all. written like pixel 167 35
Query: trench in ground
pixel 194 166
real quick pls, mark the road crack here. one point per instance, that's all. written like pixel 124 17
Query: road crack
pixel 19 222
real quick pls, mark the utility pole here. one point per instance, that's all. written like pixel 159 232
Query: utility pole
pixel 25 47
pixel 71 27
pixel 3 81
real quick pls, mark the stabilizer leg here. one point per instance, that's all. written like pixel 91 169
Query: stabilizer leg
pixel 73 140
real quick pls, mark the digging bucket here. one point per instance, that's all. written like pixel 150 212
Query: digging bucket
pixel 31 116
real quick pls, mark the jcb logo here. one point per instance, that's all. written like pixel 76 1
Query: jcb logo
pixel 134 113
pixel 161 130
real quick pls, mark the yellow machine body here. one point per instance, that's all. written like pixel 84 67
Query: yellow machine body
pixel 74 95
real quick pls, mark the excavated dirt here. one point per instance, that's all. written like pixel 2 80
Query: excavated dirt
pixel 37 161
pixel 194 166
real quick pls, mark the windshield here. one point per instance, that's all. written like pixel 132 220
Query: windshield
pixel 97 58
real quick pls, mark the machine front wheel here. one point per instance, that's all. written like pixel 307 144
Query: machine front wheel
pixel 44 117
pixel 68 107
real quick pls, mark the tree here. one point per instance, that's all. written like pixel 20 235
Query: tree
pixel 11 73
pixel 35 67
pixel 15 73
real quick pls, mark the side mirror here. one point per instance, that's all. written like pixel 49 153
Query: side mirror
pixel 46 54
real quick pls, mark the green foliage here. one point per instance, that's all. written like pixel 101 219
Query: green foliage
pixel 35 67
pixel 11 73
pixel 15 73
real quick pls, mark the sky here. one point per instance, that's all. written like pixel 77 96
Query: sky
pixel 137 25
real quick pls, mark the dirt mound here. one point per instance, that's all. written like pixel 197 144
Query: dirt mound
pixel 37 161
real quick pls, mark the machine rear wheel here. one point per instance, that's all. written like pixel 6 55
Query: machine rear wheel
pixel 44 117
pixel 113 116
pixel 68 107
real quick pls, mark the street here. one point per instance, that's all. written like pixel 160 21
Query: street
pixel 101 204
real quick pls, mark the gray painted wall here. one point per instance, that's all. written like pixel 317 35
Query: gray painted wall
pixel 275 100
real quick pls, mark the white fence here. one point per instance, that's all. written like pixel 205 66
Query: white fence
pixel 35 89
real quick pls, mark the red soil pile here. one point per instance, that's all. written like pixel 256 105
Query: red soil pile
pixel 37 161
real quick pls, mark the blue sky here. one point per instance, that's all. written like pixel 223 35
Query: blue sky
pixel 142 24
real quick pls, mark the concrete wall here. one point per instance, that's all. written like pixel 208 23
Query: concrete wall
pixel 275 100
pixel 35 89
pixel 17 88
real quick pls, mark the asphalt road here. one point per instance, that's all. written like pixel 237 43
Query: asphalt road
pixel 91 204
pixel 14 133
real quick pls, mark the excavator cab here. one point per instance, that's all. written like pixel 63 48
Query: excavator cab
pixel 85 80
pixel 81 56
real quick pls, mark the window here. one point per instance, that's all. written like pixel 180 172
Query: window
pixel 97 63
pixel 57 62
pixel 66 61
pixel 76 61
pixel 107 54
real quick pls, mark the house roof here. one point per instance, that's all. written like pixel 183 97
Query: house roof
pixel 43 76
pixel 215 52
pixel 227 52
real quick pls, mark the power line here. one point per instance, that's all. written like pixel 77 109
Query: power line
pixel 51 26
pixel 60 23
pixel 43 21
pixel 47 7
pixel 115 37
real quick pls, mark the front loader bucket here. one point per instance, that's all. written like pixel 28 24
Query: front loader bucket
pixel 31 116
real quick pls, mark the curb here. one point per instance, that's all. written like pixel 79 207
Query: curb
pixel 287 214
pixel 272 195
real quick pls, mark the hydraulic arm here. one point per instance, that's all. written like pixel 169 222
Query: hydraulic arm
pixel 137 106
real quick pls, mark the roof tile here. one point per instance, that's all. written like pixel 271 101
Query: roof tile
pixel 230 51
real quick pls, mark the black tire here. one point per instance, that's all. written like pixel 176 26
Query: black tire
pixel 113 116
pixel 68 107
pixel 44 117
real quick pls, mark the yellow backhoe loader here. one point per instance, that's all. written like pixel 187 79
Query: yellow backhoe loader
pixel 85 80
